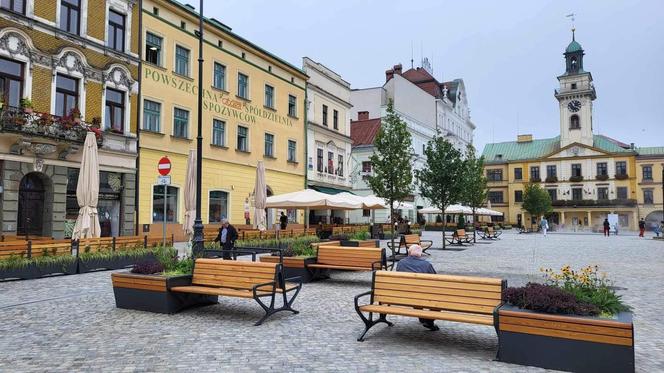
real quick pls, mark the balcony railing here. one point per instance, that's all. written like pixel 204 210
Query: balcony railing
pixel 30 123
pixel 594 203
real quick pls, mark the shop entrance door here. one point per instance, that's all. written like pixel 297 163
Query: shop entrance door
pixel 30 206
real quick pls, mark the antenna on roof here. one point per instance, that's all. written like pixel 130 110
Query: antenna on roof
pixel 411 55
pixel 572 17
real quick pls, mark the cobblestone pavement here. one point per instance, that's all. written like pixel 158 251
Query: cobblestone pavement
pixel 70 323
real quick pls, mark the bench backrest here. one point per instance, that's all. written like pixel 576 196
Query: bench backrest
pixel 364 257
pixel 489 230
pixel 236 274
pixel 411 239
pixel 461 233
pixel 479 295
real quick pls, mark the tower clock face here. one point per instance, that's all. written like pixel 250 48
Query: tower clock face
pixel 574 106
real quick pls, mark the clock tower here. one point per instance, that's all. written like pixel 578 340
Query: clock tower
pixel 575 98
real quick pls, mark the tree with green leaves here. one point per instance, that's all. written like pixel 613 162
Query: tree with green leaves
pixel 441 182
pixel 392 177
pixel 536 200
pixel 474 183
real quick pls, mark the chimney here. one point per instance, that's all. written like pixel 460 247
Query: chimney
pixel 524 138
pixel 389 74
pixel 362 115
pixel 397 69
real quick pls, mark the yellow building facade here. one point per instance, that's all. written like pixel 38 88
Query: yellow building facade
pixel 588 176
pixel 253 110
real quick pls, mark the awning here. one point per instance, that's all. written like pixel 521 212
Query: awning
pixel 328 190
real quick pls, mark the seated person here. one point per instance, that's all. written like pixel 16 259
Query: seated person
pixel 416 264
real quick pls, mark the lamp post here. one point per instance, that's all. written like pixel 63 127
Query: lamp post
pixel 197 241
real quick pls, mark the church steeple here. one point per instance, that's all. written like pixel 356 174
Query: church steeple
pixel 573 57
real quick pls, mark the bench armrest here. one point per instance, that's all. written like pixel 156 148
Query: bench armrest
pixel 297 279
pixel 255 287
pixel 357 298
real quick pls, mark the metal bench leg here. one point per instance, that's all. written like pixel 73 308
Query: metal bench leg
pixel 370 322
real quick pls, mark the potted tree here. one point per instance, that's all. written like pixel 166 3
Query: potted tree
pixel 573 322
pixel 26 105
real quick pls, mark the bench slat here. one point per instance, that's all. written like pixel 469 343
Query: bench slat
pixel 463 279
pixel 439 290
pixel 434 304
pixel 415 295
pixel 425 314
pixel 349 268
pixel 440 284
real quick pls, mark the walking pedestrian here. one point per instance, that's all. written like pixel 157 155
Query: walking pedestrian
pixel 283 221
pixel 607 227
pixel 615 228
pixel 660 228
pixel 544 225
pixel 226 238
pixel 642 227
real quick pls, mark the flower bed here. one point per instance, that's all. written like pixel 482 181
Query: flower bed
pixel 16 267
pixel 573 322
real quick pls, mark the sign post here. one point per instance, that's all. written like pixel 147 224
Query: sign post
pixel 164 179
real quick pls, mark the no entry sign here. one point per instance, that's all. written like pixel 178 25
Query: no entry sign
pixel 164 166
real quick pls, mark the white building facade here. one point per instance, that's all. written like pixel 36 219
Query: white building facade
pixel 328 134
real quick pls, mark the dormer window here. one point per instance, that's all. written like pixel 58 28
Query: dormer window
pixel 499 157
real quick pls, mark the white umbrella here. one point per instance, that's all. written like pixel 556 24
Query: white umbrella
pixel 430 210
pixel 399 205
pixel 373 202
pixel 458 209
pixel 488 212
pixel 87 191
pixel 309 198
pixel 260 196
pixel 189 195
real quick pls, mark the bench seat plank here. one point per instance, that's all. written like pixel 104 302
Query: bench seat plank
pixel 341 267
pixel 426 314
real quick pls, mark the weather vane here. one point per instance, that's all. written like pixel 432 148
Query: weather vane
pixel 572 17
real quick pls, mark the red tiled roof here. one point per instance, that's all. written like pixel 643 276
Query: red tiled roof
pixel 421 78
pixel 363 132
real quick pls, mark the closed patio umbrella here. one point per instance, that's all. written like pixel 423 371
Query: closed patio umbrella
pixel 190 195
pixel 87 192
pixel 260 196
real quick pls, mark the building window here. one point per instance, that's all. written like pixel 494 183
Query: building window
pixel 218 206
pixel 115 110
pixel 242 139
pixel 577 194
pixel 366 213
pixel 534 173
pixel 576 170
pixel 602 169
pixel 495 196
pixel 181 60
pixel 219 76
pixel 647 173
pixel 164 204
pixel 335 119
pixel 269 145
pixel 66 95
pixel 621 168
pixel 574 123
pixel 573 85
pixel 551 171
pixel 340 165
pixel 518 173
pixel 648 197
pixel 325 115
pixel 17 6
pixel 292 151
pixel 602 193
pixel 319 160
pixel 494 175
pixel 621 192
pixel 330 162
pixel 292 106
pixel 366 166
pixel 11 82
pixel 269 96
pixel 218 132
pixel 181 123
pixel 553 194
pixel 243 86
pixel 116 30
pixel 151 116
pixel 153 48
pixel 70 15
pixel 518 196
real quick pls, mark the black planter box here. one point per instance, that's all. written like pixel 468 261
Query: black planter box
pixel 33 271
pixel 158 301
pixel 293 266
pixel 526 345
pixel 355 243
pixel 85 266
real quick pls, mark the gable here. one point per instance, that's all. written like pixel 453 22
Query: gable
pixel 576 150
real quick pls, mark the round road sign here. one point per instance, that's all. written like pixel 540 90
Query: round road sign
pixel 164 166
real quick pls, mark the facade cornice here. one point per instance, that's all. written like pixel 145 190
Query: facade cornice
pixel 327 94
pixel 330 132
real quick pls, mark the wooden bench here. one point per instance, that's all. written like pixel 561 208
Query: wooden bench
pixel 431 296
pixel 459 237
pixel 349 259
pixel 490 234
pixel 406 241
pixel 243 279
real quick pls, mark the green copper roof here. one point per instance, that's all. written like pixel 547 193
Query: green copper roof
pixel 518 151
pixel 651 150
pixel 573 47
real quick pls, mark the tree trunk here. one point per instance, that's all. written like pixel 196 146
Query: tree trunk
pixel 474 227
pixel 444 227
pixel 392 227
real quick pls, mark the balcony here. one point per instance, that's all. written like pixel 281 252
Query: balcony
pixel 622 176
pixel 576 178
pixel 30 124
pixel 602 177
pixel 551 179
pixel 595 203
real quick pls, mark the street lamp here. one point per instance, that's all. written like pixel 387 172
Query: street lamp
pixel 197 241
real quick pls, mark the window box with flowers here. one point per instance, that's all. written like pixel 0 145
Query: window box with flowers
pixel 573 322
pixel 602 177
pixel 551 179
pixel 622 176
pixel 535 180
pixel 576 179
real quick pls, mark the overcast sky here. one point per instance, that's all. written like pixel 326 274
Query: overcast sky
pixel 508 53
